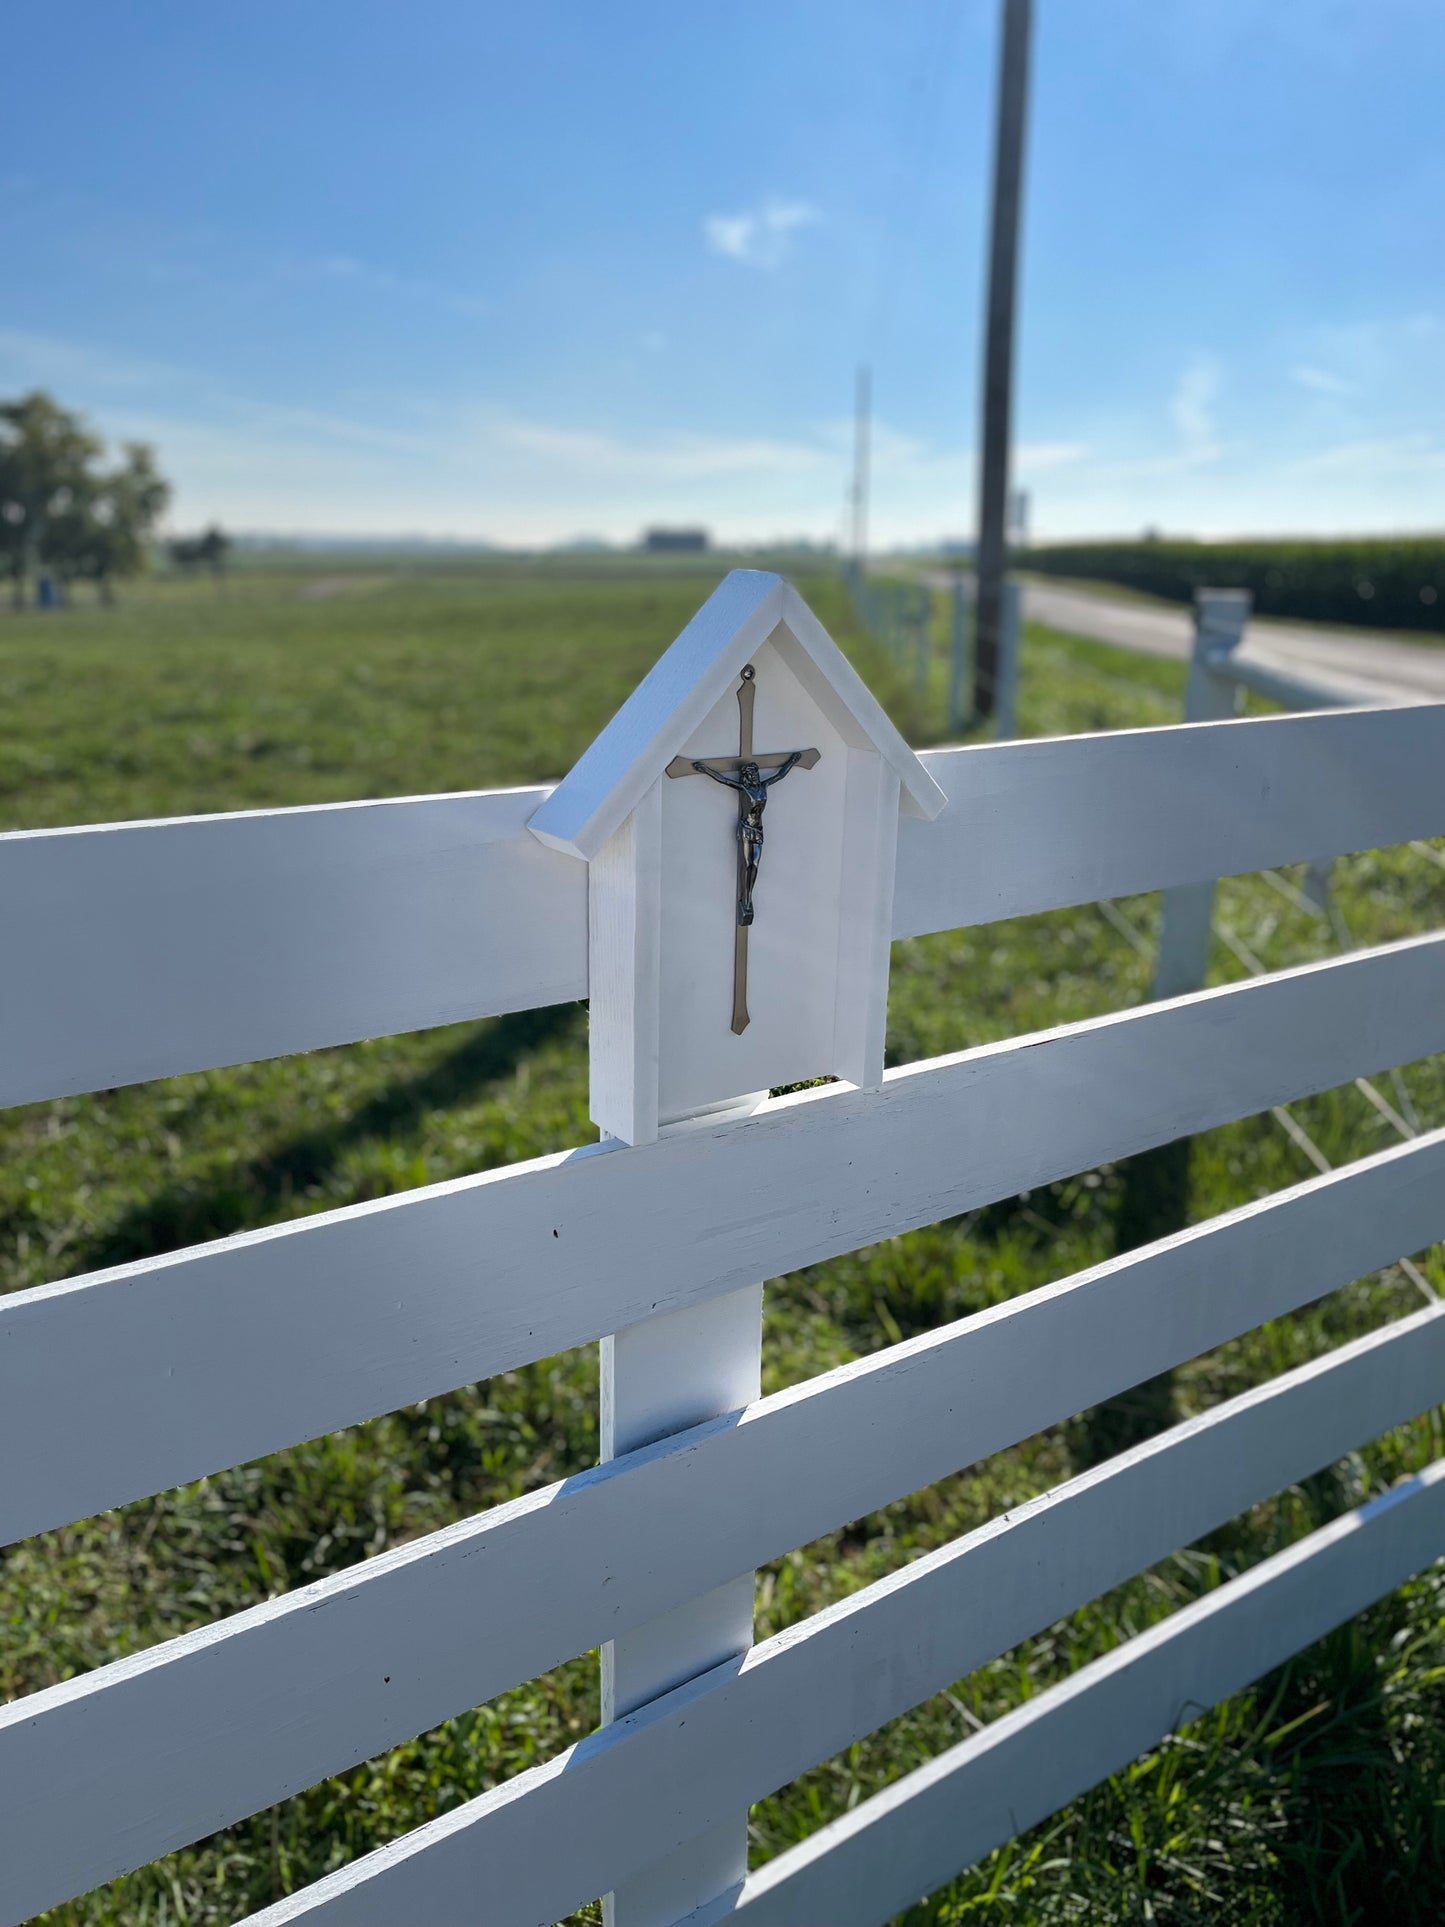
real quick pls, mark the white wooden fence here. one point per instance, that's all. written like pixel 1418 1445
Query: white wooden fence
pixel 1220 675
pixel 138 951
pixel 900 614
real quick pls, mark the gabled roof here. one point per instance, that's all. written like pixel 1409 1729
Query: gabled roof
pixel 610 778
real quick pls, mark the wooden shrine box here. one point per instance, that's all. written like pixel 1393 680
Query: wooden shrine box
pixel 665 873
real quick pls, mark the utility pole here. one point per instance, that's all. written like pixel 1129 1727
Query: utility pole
pixel 862 410
pixel 1008 167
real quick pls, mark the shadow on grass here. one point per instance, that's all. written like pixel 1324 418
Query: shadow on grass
pixel 248 1195
pixel 1357 1764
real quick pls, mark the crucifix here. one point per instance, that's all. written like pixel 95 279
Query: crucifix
pixel 744 773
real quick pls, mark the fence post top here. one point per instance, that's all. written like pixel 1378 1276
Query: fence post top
pixel 1220 617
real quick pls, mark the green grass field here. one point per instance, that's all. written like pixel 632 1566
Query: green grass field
pixel 1315 1797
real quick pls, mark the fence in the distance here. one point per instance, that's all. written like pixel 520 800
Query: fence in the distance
pixel 1221 674
pixel 899 615
pixel 138 951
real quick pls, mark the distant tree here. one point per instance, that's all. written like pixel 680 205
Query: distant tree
pixel 45 455
pixel 62 513
pixel 105 534
pixel 201 551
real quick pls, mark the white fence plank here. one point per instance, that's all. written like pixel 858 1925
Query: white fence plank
pixel 143 950
pixel 1036 826
pixel 551 1839
pixel 145 1755
pixel 131 1380
pixel 914 1837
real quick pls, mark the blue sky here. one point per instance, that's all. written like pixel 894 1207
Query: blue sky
pixel 529 273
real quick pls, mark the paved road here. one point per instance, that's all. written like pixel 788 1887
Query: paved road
pixel 1362 665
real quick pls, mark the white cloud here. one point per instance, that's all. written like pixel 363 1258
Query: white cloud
pixel 670 458
pixel 762 237
pixel 393 463
pixel 1383 457
pixel 1322 381
pixel 1191 408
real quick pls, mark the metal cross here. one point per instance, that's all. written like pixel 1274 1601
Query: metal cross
pixel 744 773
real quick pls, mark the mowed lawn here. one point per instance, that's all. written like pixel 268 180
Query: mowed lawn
pixel 1315 1797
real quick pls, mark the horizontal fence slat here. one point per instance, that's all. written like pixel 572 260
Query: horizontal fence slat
pixel 249 1711
pixel 1037 826
pixel 128 1381
pixel 142 950
pixel 914 1837
pixel 555 1837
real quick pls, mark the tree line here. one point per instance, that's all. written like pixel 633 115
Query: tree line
pixel 1384 581
pixel 70 515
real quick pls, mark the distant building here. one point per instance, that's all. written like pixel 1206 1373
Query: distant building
pixel 674 541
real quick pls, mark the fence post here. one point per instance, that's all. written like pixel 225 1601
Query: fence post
pixel 922 640
pixel 1006 695
pixel 1210 696
pixel 698 1006
pixel 960 683
pixel 659 1377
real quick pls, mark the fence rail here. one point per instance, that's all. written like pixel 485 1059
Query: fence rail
pixel 909 1840
pixel 143 950
pixel 551 1839
pixel 138 951
pixel 125 1382
pixel 246 1712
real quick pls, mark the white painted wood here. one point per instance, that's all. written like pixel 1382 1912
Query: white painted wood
pixel 1036 826
pixel 141 950
pixel 548 1840
pixel 1221 617
pixel 865 910
pixel 1186 924
pixel 678 1031
pixel 1186 932
pixel 794 943
pixel 624 956
pixel 130 1380
pixel 612 775
pixel 659 1378
pixel 696 673
pixel 145 1755
pixel 918 1834
pixel 136 951
pixel 680 1369
pixel 663 919
pixel 816 963
pixel 840 690
pixel 1291 692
